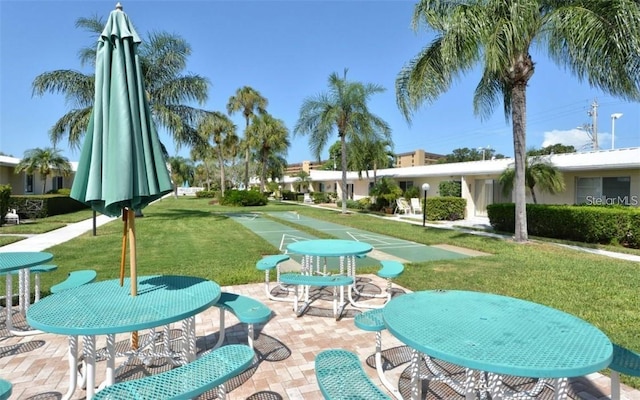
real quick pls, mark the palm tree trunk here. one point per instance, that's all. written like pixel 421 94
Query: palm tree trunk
pixel 246 156
pixel 263 172
pixel 533 195
pixel 343 183
pixel 518 110
pixel 222 180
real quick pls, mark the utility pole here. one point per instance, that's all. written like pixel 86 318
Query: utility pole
pixel 593 113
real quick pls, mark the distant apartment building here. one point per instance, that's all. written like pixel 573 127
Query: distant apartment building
pixel 306 166
pixel 416 158
pixel 401 160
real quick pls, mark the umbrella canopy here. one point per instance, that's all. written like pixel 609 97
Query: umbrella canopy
pixel 121 164
pixel 122 168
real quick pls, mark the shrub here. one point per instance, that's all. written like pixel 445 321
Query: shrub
pixel 386 191
pixel 206 194
pixel 412 192
pixel 320 197
pixel 243 198
pixel 588 224
pixel 350 204
pixel 5 194
pixel 289 195
pixel 445 208
pixel 450 189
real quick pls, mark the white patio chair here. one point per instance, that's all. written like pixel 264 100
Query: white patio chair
pixel 416 206
pixel 12 216
pixel 402 207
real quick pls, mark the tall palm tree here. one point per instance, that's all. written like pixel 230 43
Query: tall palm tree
pixel 597 40
pixel 163 57
pixel 538 172
pixel 270 137
pixel 343 109
pixel 44 161
pixel 182 170
pixel 370 155
pixel 218 128
pixel 248 100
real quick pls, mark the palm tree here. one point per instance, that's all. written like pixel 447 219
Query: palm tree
pixel 45 162
pixel 217 127
pixel 343 108
pixel 596 40
pixel 370 155
pixel 248 100
pixel 182 170
pixel 163 57
pixel 303 179
pixel 270 137
pixel 538 172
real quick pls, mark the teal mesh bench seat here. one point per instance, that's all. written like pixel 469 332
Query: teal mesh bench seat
pixel 266 264
pixel 5 389
pixel 333 281
pixel 75 279
pixel 390 270
pixel 248 311
pixel 341 377
pixel 209 371
pixel 626 362
pixel 372 321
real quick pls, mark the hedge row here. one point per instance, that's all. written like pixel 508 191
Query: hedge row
pixel 52 204
pixel 587 224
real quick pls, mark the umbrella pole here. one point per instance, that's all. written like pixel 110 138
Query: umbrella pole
pixel 124 246
pixel 131 218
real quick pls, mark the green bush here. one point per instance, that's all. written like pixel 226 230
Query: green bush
pixel 289 195
pixel 352 204
pixel 52 204
pixel 206 194
pixel 450 189
pixel 5 194
pixel 320 197
pixel 588 224
pixel 445 208
pixel 412 192
pixel 243 198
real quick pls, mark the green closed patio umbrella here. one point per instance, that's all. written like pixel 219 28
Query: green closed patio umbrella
pixel 122 167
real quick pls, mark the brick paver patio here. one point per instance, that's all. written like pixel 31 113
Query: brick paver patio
pixel 286 347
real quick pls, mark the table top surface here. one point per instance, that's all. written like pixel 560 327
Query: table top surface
pixel 11 261
pixel 329 247
pixel 498 334
pixel 106 307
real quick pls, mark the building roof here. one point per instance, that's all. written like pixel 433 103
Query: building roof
pixel 628 158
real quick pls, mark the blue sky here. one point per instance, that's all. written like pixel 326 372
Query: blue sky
pixel 286 50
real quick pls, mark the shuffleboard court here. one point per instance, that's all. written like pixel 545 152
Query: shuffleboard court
pixel 280 236
pixel 399 248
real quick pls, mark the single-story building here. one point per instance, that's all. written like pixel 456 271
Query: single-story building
pixel 596 177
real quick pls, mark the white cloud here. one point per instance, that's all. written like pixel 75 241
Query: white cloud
pixel 577 138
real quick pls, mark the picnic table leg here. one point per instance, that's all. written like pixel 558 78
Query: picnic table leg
pixel 89 349
pixel 561 386
pixel 111 359
pixel 8 302
pixel 73 367
pixel 416 385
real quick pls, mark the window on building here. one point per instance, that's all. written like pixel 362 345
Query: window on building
pixel 29 184
pixel 57 182
pixel 404 185
pixel 604 190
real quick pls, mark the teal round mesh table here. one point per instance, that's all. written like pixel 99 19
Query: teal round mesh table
pixel 498 334
pixel 106 308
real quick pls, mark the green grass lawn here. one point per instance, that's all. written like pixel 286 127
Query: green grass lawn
pixel 189 236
